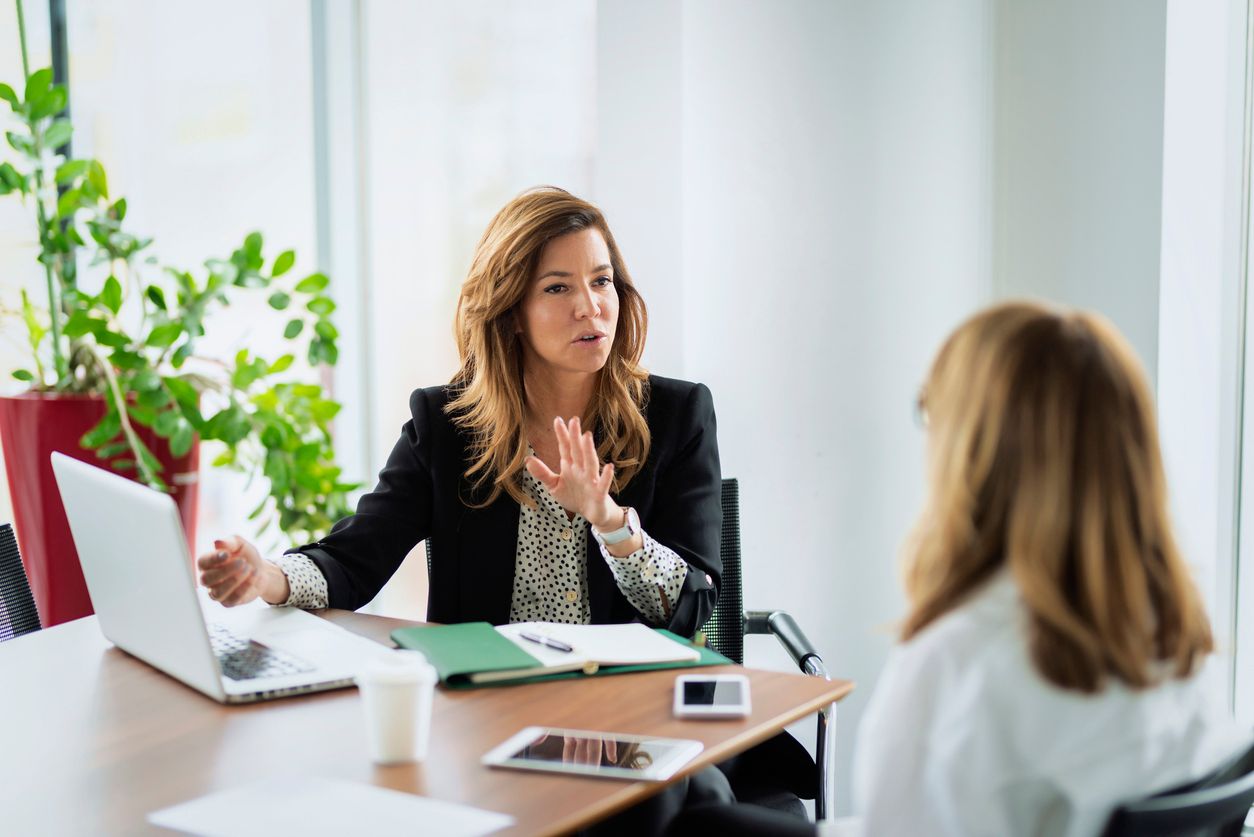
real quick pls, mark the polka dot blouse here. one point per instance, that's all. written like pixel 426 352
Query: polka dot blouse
pixel 550 571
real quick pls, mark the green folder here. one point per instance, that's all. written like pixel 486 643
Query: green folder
pixel 460 652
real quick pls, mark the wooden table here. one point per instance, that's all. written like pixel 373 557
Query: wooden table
pixel 92 740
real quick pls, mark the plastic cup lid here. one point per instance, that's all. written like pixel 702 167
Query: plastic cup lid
pixel 398 667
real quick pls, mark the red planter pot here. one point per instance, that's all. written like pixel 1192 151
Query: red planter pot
pixel 32 426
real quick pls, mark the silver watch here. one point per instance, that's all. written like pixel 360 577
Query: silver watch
pixel 631 525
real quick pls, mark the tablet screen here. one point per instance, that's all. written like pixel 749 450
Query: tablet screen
pixel 592 751
pixel 595 753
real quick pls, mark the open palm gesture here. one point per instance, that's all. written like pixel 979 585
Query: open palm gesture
pixel 581 484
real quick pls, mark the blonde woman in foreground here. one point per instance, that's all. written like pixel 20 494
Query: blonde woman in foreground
pixel 1051 661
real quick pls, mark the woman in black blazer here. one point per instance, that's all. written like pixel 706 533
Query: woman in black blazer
pixel 550 332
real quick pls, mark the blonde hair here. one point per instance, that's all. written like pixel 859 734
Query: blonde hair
pixel 1043 456
pixel 489 403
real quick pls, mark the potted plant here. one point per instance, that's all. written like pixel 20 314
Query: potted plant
pixel 114 373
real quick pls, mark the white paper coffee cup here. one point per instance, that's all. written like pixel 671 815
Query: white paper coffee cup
pixel 397 691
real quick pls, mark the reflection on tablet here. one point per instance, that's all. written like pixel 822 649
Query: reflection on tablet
pixel 588 750
pixel 600 754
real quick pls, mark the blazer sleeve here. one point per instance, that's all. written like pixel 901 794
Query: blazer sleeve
pixel 362 551
pixel 688 513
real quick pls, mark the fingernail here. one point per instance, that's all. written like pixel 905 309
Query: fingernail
pixel 220 554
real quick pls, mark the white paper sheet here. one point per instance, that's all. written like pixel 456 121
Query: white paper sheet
pixel 312 806
pixel 625 644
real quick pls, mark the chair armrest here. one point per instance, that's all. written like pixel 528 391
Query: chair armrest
pixel 780 624
pixel 808 660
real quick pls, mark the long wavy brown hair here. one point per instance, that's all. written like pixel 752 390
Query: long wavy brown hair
pixel 1044 457
pixel 489 402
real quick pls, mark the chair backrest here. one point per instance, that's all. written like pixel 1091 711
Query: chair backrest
pixel 725 629
pixel 17 608
pixel 1213 806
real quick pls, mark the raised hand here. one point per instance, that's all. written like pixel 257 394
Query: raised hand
pixel 581 484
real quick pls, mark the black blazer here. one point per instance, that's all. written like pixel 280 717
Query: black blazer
pixel 419 496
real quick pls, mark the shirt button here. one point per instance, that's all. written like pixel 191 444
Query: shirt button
pixel 567 534
pixel 571 595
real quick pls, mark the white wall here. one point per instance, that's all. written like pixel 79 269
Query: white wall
pixel 1199 339
pixel 1079 100
pixel 835 214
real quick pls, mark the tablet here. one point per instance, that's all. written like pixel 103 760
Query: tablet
pixel 607 755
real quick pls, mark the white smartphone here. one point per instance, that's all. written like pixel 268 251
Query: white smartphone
pixel 608 755
pixel 711 696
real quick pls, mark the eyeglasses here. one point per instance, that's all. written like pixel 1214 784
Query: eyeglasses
pixel 920 409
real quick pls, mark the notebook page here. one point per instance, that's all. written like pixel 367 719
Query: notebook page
pixel 607 645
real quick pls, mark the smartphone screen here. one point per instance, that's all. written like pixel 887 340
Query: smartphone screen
pixel 713 693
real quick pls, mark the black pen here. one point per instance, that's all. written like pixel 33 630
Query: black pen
pixel 556 645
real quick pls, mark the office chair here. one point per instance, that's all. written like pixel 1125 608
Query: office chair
pixel 1214 806
pixel 17 608
pixel 725 632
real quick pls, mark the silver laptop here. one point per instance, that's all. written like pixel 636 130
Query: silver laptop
pixel 139 572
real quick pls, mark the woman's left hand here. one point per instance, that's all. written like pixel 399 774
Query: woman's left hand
pixel 581 484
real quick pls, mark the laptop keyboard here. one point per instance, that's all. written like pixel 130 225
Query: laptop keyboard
pixel 244 659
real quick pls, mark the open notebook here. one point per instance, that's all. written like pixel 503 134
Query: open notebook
pixel 477 653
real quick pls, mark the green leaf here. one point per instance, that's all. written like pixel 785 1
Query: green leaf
pixel 71 200
pixel 261 507
pixel 111 296
pixel 323 410
pixel 326 330
pixel 279 300
pixel 181 354
pixel 142 415
pixel 156 296
pixel 118 210
pixel 71 169
pixel 293 328
pixel 167 422
pixel 38 84
pixel 184 392
pixel 9 96
pixel 278 471
pixel 112 450
pixel 312 283
pixel 58 133
pixel 145 380
pixel 21 142
pixel 23 375
pixel 123 464
pixel 110 338
pixel 154 399
pixel 283 263
pixel 252 244
pixel 96 175
pixel 321 305
pixel 104 431
pixel 164 336
pixel 10 179
pixel 227 457
pixel 282 364
pixel 52 103
pixel 77 325
pixel 181 441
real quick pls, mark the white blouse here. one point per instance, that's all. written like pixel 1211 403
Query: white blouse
pixel 550 569
pixel 963 737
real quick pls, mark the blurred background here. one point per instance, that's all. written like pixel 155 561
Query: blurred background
pixel 809 195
